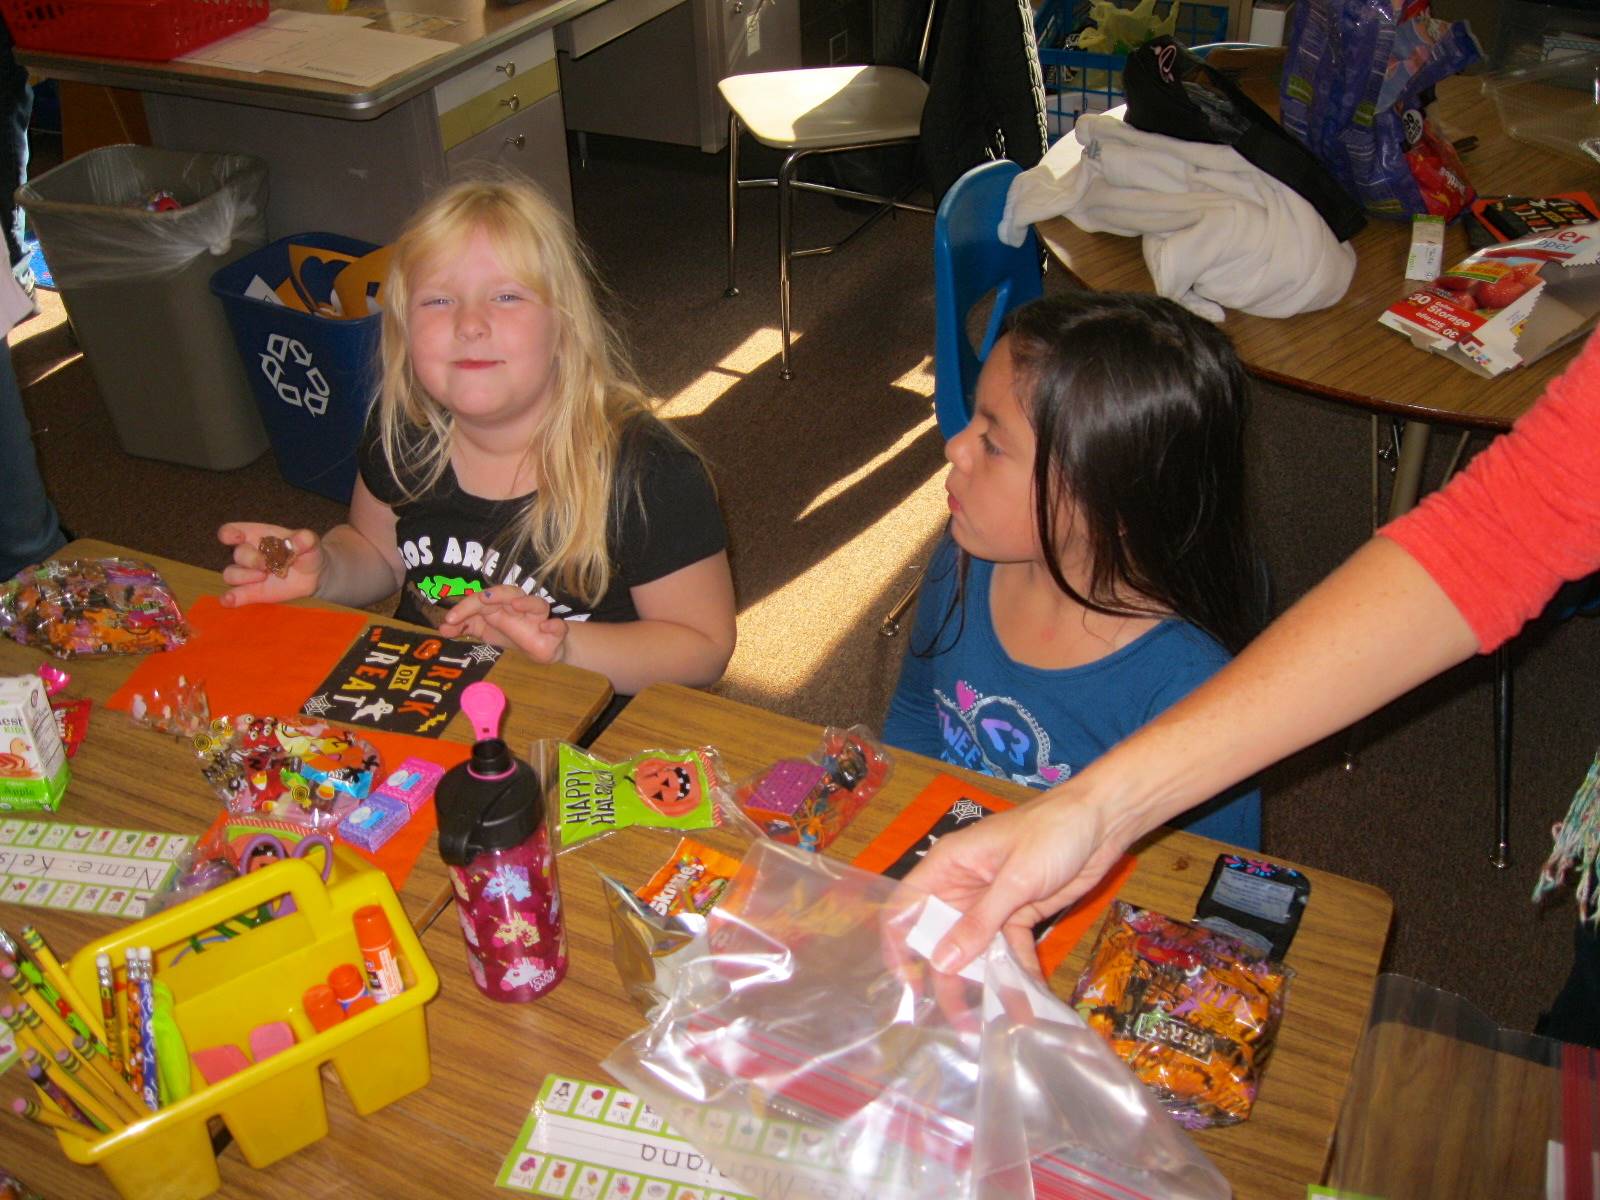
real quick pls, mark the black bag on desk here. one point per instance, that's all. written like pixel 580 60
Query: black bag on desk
pixel 1173 92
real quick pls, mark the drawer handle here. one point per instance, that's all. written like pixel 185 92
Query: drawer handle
pixel 513 102
pixel 519 141
pixel 507 69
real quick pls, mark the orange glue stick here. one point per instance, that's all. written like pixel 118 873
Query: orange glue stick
pixel 379 954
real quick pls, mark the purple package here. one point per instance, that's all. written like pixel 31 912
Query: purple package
pixel 785 786
pixel 411 783
pixel 374 821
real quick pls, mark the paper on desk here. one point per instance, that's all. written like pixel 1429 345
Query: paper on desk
pixel 341 49
pixel 278 35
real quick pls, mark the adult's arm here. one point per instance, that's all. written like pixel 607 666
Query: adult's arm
pixel 1373 629
pixel 1462 573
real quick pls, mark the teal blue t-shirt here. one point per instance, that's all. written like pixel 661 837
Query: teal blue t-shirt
pixel 962 699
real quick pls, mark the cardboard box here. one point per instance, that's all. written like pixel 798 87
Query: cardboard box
pixel 33 760
pixel 1509 304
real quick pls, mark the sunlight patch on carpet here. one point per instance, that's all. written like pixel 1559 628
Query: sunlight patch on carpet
pixel 867 468
pixel 787 636
pixel 760 348
pixel 919 379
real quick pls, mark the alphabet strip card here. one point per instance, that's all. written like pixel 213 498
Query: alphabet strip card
pixel 85 868
pixel 402 680
pixel 591 1141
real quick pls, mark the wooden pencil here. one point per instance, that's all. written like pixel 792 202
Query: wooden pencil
pixel 51 966
pixel 66 1074
pixel 39 1115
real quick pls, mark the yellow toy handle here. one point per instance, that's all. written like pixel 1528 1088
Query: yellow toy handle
pixel 291 876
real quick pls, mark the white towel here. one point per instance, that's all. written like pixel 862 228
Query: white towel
pixel 1218 232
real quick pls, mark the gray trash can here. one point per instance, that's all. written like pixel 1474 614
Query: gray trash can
pixel 136 286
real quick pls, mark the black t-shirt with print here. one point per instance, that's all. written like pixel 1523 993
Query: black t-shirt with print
pixel 450 539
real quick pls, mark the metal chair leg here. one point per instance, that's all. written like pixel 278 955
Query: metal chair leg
pixel 733 202
pixel 1502 757
pixel 785 234
pixel 891 623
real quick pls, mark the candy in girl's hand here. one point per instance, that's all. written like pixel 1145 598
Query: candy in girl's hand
pixel 278 553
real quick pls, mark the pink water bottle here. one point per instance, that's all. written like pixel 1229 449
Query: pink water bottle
pixel 493 837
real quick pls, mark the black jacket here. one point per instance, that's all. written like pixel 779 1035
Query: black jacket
pixel 985 92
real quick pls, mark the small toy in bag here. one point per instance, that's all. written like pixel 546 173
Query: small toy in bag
pixel 807 802
pixel 295 768
pixel 181 708
pixel 91 606
pixel 661 789
pixel 1193 1012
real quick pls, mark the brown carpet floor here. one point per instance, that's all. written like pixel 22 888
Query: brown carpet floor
pixel 832 488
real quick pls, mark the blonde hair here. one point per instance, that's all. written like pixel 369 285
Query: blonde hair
pixel 594 394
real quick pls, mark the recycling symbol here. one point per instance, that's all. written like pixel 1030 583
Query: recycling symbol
pixel 282 352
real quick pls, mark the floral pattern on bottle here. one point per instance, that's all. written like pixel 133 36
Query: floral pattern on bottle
pixel 509 905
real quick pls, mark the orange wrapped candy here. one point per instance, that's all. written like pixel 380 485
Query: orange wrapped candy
pixel 1193 1012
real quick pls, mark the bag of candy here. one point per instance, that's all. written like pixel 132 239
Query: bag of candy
pixel 1357 81
pixel 655 932
pixel 91 606
pixel 1192 1011
pixel 295 768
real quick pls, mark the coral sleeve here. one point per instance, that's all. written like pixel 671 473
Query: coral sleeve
pixel 1524 517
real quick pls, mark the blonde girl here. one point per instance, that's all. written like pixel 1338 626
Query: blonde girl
pixel 514 484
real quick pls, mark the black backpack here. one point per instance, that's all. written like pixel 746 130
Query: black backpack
pixel 1173 92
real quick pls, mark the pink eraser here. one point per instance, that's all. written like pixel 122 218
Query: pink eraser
pixel 216 1063
pixel 272 1038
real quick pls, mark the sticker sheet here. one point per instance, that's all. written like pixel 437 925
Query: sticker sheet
pixel 85 868
pixel 591 1141
pixel 401 680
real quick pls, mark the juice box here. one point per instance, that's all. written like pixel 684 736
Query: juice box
pixel 33 761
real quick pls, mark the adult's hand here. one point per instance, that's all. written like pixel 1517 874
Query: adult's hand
pixel 1013 869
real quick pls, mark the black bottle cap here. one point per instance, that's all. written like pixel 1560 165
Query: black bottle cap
pixel 479 815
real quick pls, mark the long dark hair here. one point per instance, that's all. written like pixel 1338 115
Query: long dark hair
pixel 1139 409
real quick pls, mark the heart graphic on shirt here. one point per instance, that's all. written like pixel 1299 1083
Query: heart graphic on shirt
pixel 965 696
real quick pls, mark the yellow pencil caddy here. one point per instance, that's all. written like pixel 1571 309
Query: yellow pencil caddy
pixel 276 1106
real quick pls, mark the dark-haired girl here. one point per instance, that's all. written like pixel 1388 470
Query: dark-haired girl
pixel 1097 566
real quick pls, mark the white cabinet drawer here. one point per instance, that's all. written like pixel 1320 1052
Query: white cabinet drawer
pixel 506 64
pixel 610 21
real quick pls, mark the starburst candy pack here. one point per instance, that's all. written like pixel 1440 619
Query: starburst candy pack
pixel 663 789
pixel 1193 1012
pixel 91 606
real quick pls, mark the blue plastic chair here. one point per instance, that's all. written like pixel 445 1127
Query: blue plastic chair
pixel 969 264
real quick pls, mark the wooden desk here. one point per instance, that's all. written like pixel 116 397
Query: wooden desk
pixel 358 160
pixel 131 778
pixel 1440 1116
pixel 489 1058
pixel 1342 353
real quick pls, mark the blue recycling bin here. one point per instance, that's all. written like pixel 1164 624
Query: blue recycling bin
pixel 312 377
